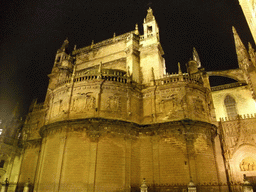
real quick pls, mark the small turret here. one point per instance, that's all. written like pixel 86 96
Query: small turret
pixel 62 58
pixel 150 43
pixel 63 65
pixel 136 29
pixel 196 58
pixel 150 25
pixel 180 72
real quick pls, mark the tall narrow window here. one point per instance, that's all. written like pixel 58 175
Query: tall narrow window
pixel 1 130
pixel 2 164
pixel 230 104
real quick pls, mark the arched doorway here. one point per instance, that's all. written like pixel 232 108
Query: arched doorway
pixel 244 163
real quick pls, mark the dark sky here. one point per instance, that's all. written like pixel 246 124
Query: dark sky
pixel 33 30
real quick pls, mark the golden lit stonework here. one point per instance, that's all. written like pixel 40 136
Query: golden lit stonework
pixel 114 120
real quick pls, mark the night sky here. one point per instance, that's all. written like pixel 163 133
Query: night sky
pixel 33 30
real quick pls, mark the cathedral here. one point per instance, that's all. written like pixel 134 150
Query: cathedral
pixel 113 120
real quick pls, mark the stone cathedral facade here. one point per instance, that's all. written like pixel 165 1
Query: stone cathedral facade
pixel 112 116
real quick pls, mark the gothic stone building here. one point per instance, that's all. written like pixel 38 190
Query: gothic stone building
pixel 113 116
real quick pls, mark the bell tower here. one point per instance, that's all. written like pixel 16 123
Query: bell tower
pixel 151 50
pixel 150 26
pixel 62 68
pixel 62 65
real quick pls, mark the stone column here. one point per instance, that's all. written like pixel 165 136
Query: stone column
pixel 5 185
pixel 93 150
pixel 4 188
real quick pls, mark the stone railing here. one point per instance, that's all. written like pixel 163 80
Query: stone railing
pixel 63 82
pixel 227 86
pixel 244 116
pixel 176 78
pixel 108 77
pixel 106 74
pixel 142 37
pixel 103 43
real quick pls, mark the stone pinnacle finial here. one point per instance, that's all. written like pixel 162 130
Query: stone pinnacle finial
pixel 191 186
pixel 144 187
pixel 179 69
pixel 150 16
pixel 241 51
pixel 152 74
pixel 114 35
pixel 92 44
pixel 152 77
pixel 64 45
pixel 128 71
pixel 100 67
pixel 196 57
pixel 137 29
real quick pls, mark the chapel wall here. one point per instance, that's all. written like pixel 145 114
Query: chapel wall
pixel 106 54
pixel 175 101
pixel 49 168
pixel 76 162
pixel 29 164
pixel 95 98
pixel 245 104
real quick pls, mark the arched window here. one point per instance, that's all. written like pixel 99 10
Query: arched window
pixel 230 105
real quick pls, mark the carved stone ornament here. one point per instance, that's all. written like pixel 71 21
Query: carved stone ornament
pixel 84 103
pixel 198 107
pixel 248 164
pixel 170 105
pixel 114 103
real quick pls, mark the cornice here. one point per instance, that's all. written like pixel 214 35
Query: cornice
pixel 96 127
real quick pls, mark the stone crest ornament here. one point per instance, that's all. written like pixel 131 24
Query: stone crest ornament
pixel 170 105
pixel 198 107
pixel 113 103
pixel 83 103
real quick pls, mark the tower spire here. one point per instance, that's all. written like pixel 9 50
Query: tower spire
pixel 179 69
pixel 196 57
pixel 150 25
pixel 241 52
pixel 64 46
pixel 137 29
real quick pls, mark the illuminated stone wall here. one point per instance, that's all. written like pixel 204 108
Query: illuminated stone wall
pixel 112 116
pixel 249 9
pixel 245 104
pixel 97 154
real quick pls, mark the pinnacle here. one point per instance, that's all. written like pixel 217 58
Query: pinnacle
pixel 150 16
